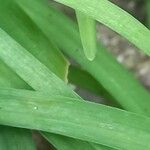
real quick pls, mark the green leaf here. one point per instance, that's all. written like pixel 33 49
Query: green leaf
pixel 67 143
pixel 148 12
pixel 115 18
pixel 79 77
pixel 75 118
pixel 8 78
pixel 104 68
pixel 30 69
pixel 27 66
pixel 87 28
pixel 20 27
pixel 68 29
pixel 51 60
pixel 15 139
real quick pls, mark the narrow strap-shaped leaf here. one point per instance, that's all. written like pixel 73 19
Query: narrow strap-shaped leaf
pixel 115 18
pixel 148 12
pixel 8 78
pixel 104 68
pixel 30 69
pixel 74 118
pixel 65 143
pixel 19 26
pixel 12 12
pixel 79 77
pixel 28 66
pixel 87 28
pixel 15 139
pixel 96 146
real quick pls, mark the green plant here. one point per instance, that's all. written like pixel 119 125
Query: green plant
pixel 148 12
pixel 32 32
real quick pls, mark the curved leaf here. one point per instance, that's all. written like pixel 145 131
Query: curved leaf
pixel 115 18
pixel 121 84
pixel 75 118
pixel 87 28
pixel 38 76
pixel 16 139
pixel 148 12
pixel 20 27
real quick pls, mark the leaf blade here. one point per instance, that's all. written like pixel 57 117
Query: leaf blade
pixel 79 77
pixel 87 28
pixel 103 121
pixel 30 69
pixel 31 38
pixel 13 138
pixel 105 72
pixel 148 12
pixel 115 18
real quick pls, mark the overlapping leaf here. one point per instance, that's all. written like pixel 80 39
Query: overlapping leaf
pixel 104 68
pixel 87 28
pixel 42 73
pixel 148 12
pixel 115 18
pixel 75 118
pixel 31 70
pixel 15 139
pixel 79 77
pixel 21 28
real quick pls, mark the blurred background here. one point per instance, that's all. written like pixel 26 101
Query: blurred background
pixel 125 52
